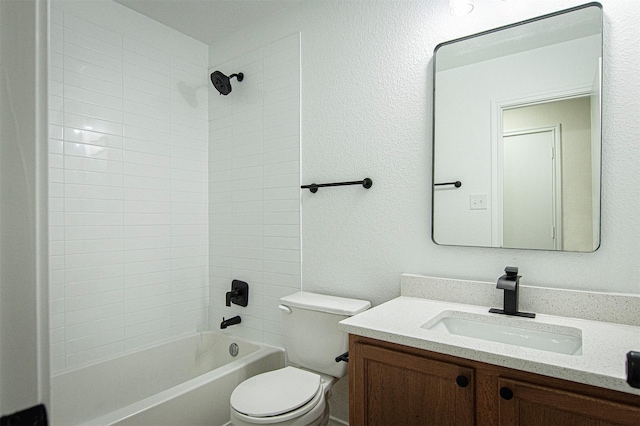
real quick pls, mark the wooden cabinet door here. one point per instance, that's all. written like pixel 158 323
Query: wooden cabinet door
pixel 396 388
pixel 525 404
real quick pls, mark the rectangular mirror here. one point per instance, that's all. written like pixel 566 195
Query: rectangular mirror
pixel 517 135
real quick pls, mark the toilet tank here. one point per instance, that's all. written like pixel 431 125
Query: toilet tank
pixel 311 335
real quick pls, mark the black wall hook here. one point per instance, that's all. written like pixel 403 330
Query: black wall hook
pixel 366 182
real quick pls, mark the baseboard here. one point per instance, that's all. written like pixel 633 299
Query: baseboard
pixel 338 421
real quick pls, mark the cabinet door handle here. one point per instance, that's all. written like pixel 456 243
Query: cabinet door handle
pixel 462 381
pixel 506 393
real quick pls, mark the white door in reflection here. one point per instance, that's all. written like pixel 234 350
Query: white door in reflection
pixel 531 199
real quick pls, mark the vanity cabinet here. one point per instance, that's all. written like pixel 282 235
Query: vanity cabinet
pixel 395 384
pixel 523 403
pixel 390 388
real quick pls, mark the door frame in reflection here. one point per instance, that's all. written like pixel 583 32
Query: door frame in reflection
pixel 498 106
pixel 541 171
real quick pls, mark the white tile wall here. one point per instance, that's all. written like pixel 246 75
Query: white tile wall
pixel 128 184
pixel 254 187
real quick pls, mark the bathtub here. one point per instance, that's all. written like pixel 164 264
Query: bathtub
pixel 187 381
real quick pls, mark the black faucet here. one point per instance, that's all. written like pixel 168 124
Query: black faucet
pixel 231 295
pixel 231 321
pixel 239 293
pixel 510 282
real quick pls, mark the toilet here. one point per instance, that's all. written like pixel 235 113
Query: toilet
pixel 298 394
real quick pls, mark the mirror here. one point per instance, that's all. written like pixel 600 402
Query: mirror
pixel 516 137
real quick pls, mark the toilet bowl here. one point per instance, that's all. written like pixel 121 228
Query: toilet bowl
pixel 298 394
pixel 285 397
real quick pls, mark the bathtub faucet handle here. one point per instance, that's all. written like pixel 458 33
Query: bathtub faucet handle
pixel 230 296
pixel 239 294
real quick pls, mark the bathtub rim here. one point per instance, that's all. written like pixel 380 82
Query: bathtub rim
pixel 137 407
pixel 155 345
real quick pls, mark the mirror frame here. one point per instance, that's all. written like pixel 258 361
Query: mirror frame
pixel 433 117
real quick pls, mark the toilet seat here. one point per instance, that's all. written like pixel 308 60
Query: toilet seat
pixel 312 411
pixel 288 392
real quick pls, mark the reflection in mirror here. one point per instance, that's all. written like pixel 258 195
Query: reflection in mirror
pixel 517 121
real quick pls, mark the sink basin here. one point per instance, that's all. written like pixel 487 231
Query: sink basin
pixel 509 330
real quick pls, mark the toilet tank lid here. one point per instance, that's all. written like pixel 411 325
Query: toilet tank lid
pixel 325 303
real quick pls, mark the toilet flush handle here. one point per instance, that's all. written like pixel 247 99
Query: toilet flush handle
pixel 284 308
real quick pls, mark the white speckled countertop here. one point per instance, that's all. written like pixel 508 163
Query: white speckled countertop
pixel 604 344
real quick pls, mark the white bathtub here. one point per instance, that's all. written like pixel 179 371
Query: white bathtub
pixel 183 382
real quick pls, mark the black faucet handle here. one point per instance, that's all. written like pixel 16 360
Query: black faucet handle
pixel 239 294
pixel 511 271
pixel 507 283
pixel 231 295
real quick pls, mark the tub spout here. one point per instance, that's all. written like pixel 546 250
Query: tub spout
pixel 231 321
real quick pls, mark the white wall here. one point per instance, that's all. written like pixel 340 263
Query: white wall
pixel 24 367
pixel 128 182
pixel 366 111
pixel 254 175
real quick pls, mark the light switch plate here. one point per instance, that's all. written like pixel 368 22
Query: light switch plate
pixel 478 201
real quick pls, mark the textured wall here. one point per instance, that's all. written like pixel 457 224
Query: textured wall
pixel 128 182
pixel 366 111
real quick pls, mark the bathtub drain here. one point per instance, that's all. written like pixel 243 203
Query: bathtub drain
pixel 233 349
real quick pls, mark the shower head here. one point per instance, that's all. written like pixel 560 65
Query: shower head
pixel 222 83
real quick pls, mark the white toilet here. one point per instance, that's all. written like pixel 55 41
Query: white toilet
pixel 298 393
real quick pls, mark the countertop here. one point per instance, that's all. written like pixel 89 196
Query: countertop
pixel 604 344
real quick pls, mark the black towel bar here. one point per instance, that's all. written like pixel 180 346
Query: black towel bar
pixel 457 184
pixel 366 182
